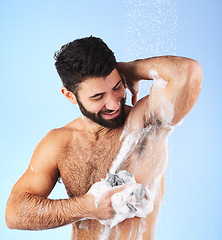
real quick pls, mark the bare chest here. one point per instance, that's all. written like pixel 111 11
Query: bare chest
pixel 85 161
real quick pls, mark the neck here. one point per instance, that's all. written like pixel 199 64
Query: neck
pixel 93 128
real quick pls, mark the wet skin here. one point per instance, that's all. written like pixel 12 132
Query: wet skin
pixel 82 152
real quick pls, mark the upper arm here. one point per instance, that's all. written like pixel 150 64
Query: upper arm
pixel 170 99
pixel 176 99
pixel 42 172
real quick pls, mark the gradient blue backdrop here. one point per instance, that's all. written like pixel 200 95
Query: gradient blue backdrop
pixel 31 102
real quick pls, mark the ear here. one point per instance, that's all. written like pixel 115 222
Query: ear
pixel 69 95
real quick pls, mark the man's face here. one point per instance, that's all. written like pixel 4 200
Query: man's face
pixel 102 100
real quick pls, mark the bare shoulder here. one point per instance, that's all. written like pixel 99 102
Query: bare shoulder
pixel 53 143
pixel 139 115
pixel 59 135
pixel 42 172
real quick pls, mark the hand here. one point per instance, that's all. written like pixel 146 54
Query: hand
pixel 129 78
pixel 134 89
pixel 104 210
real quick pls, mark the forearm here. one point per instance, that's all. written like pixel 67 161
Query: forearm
pixel 184 76
pixel 33 212
pixel 168 67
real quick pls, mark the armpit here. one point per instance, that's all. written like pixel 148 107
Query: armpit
pixel 152 122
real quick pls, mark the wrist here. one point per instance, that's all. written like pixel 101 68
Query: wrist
pixel 141 68
pixel 84 206
pixel 129 70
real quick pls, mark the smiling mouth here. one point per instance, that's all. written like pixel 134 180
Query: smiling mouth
pixel 112 114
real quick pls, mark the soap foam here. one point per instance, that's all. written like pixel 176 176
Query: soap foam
pixel 133 201
pixel 137 200
pixel 163 105
pixel 126 149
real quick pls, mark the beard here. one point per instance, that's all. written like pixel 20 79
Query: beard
pixel 97 118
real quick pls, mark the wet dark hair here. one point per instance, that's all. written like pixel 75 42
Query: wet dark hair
pixel 83 58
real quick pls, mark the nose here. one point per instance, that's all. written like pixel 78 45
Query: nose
pixel 113 102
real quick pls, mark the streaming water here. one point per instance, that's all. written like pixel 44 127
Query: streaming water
pixel 149 30
pixel 150 27
pixel 136 199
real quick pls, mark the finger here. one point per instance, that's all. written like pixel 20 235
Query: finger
pixel 134 99
pixel 123 80
pixel 116 190
pixel 134 91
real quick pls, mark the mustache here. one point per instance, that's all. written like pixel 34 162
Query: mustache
pixel 107 111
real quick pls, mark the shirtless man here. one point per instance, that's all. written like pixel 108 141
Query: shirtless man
pixel 82 152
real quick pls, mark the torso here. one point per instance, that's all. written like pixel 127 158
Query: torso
pixel 85 160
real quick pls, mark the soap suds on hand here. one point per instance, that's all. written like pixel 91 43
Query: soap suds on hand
pixel 133 201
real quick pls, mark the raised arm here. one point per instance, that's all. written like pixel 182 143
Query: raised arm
pixel 177 81
pixel 28 206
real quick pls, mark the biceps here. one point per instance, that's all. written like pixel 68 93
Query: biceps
pixel 35 183
pixel 171 101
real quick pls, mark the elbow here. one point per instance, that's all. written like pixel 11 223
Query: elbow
pixel 10 218
pixel 9 221
pixel 194 82
pixel 195 75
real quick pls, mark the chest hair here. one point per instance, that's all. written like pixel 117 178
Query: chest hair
pixel 85 161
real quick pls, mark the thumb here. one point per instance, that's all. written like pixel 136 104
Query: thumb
pixel 134 91
pixel 115 190
pixel 134 99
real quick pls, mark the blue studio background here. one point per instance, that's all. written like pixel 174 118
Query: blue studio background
pixel 31 103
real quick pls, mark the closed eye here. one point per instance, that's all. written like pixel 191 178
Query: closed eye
pixel 97 97
pixel 118 85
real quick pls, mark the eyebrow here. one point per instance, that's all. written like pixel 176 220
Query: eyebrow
pixel 102 93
